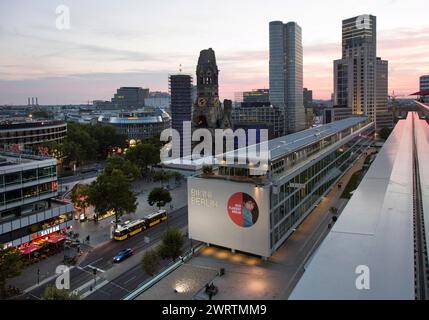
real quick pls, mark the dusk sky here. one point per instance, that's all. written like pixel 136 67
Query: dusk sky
pixel 138 43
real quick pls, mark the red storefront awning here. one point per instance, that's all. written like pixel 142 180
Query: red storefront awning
pixel 57 238
pixel 31 248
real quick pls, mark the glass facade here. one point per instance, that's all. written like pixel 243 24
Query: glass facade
pixel 301 176
pixel 15 184
pixel 298 195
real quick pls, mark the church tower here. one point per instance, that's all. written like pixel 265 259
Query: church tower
pixel 207 111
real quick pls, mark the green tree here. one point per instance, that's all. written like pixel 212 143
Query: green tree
pixel 112 192
pixel 79 145
pixel 172 244
pixel 143 155
pixel 79 197
pixel 11 265
pixel 207 169
pixel 162 176
pixel 150 262
pixel 52 293
pixel 159 196
pixel 127 167
pixel 107 138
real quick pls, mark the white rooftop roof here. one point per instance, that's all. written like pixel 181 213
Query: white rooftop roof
pixel 375 230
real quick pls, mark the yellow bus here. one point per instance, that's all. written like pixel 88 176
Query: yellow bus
pixel 129 229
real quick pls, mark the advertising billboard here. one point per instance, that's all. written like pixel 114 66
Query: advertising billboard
pixel 229 214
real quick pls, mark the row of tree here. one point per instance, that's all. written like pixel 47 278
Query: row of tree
pixel 112 190
pixel 85 142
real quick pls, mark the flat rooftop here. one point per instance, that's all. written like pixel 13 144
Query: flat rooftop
pixel 283 145
pixel 375 230
pixel 10 159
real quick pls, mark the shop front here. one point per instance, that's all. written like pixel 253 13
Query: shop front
pixel 44 244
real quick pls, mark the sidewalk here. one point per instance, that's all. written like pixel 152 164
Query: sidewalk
pixel 47 268
pixel 249 277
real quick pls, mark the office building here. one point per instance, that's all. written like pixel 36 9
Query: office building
pixel 358 72
pixel 336 113
pixel 383 116
pixel 130 97
pixel 424 85
pixel 181 106
pixel 254 207
pixel 258 95
pixel 31 133
pixel 251 116
pixel 308 98
pixel 286 73
pixel 158 99
pixel 29 212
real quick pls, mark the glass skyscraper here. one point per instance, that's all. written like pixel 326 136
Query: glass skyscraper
pixel 286 73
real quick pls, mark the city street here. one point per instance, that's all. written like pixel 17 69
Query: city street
pixel 120 281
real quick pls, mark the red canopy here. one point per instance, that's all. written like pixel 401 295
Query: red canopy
pixel 31 248
pixel 57 238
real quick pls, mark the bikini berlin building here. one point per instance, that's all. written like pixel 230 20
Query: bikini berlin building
pixel 254 208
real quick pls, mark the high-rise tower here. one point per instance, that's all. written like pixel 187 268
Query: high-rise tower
pixel 359 71
pixel 181 106
pixel 286 73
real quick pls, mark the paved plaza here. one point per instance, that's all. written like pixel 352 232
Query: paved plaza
pixel 250 277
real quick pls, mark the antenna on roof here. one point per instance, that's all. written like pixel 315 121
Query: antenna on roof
pixel 180 68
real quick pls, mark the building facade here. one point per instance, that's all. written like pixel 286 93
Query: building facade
pixel 286 73
pixel 383 116
pixel 358 72
pixel 257 95
pixel 336 114
pixel 30 133
pixel 259 117
pixel 181 106
pixel 255 208
pixel 424 85
pixel 29 211
pixel 130 97
pixel 138 124
pixel 308 98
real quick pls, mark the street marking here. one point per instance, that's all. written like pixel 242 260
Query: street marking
pixel 85 285
pixel 97 287
pixel 92 267
pixel 54 276
pixel 129 280
pixel 94 261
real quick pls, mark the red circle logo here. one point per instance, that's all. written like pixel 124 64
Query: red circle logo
pixel 243 209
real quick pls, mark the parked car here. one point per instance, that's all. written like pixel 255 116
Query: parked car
pixel 123 254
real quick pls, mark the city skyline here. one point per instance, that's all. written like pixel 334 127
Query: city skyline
pixel 95 56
